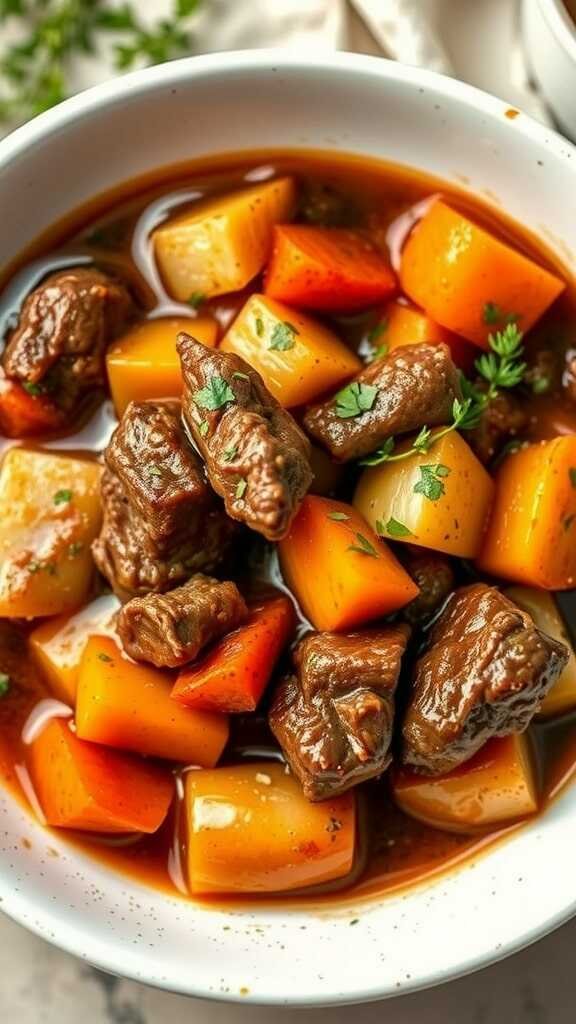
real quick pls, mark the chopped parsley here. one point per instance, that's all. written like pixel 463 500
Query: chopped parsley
pixel 431 483
pixel 492 314
pixel 62 497
pixel 104 657
pixel 32 389
pixel 4 684
pixel 229 454
pixel 363 546
pixel 203 428
pixel 75 548
pixel 240 489
pixel 394 528
pixel 216 394
pixel 377 331
pixel 283 336
pixel 355 399
pixel 154 471
pixel 240 375
pixel 541 384
pixel 196 299
pixel 338 517
pixel 259 325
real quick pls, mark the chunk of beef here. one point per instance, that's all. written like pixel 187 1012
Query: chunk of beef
pixel 257 458
pixel 334 717
pixel 413 386
pixel 484 674
pixel 162 522
pixel 502 420
pixel 434 575
pixel 65 326
pixel 169 630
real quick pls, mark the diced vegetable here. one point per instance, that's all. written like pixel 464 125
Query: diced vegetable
pixel 405 325
pixel 468 280
pixel 251 829
pixel 23 414
pixel 438 499
pixel 342 574
pixel 220 244
pixel 126 705
pixel 297 357
pixel 543 609
pixel 234 674
pixel 327 473
pixel 83 786
pixel 144 362
pixel 327 269
pixel 57 645
pixel 50 516
pixel 531 536
pixel 496 786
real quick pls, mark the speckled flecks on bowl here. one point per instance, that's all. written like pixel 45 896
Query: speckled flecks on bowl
pixel 459 921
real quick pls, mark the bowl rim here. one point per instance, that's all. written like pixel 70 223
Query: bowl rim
pixel 560 24
pixel 113 93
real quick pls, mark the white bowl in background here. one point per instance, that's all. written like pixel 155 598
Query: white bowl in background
pixel 549 36
pixel 522 887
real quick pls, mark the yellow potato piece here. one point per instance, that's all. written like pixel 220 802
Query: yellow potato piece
pixel 144 362
pixel 251 829
pixel 496 786
pixel 50 515
pixel 297 357
pixel 220 244
pixel 543 609
pixel 58 644
pixel 392 498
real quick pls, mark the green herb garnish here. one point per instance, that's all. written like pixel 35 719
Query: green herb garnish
pixel 104 657
pixel 154 471
pixel 203 428
pixel 355 399
pixel 240 375
pixel 240 489
pixel 259 324
pixel 338 517
pixel 393 528
pixel 32 389
pixel 216 394
pixel 62 496
pixel 431 483
pixel 229 454
pixel 572 475
pixel 363 546
pixel 283 337
pixel 75 548
pixel 492 314
pixel 4 684
pixel 196 299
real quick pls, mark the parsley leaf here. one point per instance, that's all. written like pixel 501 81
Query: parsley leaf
pixel 229 454
pixel 540 384
pixel 62 496
pixel 216 394
pixel 240 489
pixel 382 454
pixel 154 471
pixel 363 546
pixel 4 684
pixel 394 528
pixel 203 428
pixel 431 484
pixel 240 376
pixel 32 389
pixel 283 336
pixel 491 313
pixel 196 300
pixel 355 399
pixel 338 517
pixel 259 324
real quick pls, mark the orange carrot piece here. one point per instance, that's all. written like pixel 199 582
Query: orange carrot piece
pixel 251 829
pixel 328 269
pixel 341 572
pixel 406 325
pixel 531 535
pixel 126 705
pixel 468 280
pixel 25 415
pixel 83 786
pixel 233 676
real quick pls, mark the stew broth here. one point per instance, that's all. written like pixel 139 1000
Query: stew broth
pixel 113 230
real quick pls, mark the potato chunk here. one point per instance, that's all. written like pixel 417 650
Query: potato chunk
pixel 50 515
pixel 220 244
pixel 144 362
pixel 251 829
pixel 439 499
pixel 543 609
pixel 497 785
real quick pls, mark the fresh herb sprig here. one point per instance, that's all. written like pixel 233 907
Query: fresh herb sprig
pixel 35 70
pixel 503 367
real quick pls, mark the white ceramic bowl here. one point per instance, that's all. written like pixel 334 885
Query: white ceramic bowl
pixel 549 35
pixel 523 887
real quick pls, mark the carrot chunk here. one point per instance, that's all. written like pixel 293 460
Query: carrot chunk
pixel 126 705
pixel 233 676
pixel 83 786
pixel 298 358
pixel 328 269
pixel 25 415
pixel 531 535
pixel 406 325
pixel 341 573
pixel 470 281
pixel 251 829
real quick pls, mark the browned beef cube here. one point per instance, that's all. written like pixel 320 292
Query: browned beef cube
pixel 64 328
pixel 334 717
pixel 484 674
pixel 501 421
pixel 412 387
pixel 171 629
pixel 434 575
pixel 257 458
